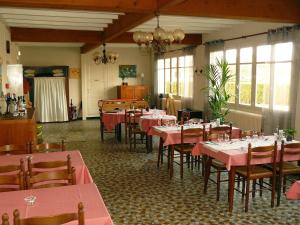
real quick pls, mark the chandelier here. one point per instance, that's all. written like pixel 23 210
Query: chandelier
pixel 159 39
pixel 105 58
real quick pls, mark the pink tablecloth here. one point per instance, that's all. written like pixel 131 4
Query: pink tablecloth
pixel 58 200
pixel 294 191
pixel 82 173
pixel 110 120
pixel 233 156
pixel 146 122
pixel 171 135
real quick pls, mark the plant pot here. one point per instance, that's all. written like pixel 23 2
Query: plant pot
pixel 289 138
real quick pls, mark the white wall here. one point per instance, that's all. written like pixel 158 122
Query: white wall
pixel 5 58
pixel 55 56
pixel 100 81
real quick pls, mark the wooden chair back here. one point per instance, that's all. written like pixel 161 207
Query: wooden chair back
pixel 185 116
pixel 48 179
pixel 192 133
pixel 290 149
pixel 132 117
pixel 221 130
pixel 139 104
pixel 47 146
pixel 261 153
pixel 12 177
pixel 49 165
pixel 14 149
pixel 49 220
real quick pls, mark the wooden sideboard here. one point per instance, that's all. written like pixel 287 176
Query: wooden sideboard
pixel 132 91
pixel 18 130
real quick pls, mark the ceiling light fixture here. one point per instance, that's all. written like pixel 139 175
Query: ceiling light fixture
pixel 105 58
pixel 159 39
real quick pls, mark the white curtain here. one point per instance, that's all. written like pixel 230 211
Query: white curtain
pixel 50 99
pixel 273 118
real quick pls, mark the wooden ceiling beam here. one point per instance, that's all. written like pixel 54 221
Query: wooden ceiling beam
pixel 128 21
pixel 126 6
pixel 53 35
pixel 266 10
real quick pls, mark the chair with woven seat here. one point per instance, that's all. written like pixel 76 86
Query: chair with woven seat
pixel 47 220
pixel 14 149
pixel 286 166
pixel 219 167
pixel 185 147
pixel 12 177
pixel 253 172
pixel 45 147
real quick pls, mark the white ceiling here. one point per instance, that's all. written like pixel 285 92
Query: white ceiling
pixel 56 19
pixel 188 24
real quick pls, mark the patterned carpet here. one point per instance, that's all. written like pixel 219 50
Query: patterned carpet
pixel 136 192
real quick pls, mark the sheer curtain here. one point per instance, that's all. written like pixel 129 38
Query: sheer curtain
pixel 50 99
pixel 272 117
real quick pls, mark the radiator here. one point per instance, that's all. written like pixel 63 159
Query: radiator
pixel 245 120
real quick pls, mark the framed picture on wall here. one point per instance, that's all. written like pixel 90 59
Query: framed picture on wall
pixel 126 71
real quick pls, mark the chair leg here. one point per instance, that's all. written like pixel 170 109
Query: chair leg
pixel 188 160
pixel 126 135
pixel 273 191
pixel 218 184
pixel 207 174
pixel 253 188
pixel 261 180
pixel 134 141
pixel 243 188
pixel 159 153
pixel 239 180
pixel 247 195
pixel 181 165
pixel 284 184
pixel 192 162
pixel 169 157
pixel 279 185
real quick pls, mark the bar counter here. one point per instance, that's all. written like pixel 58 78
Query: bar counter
pixel 19 129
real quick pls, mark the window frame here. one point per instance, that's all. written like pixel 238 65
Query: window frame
pixel 177 68
pixel 253 107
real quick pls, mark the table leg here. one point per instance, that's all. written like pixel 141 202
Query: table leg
pixel 159 154
pixel 171 161
pixel 149 143
pixel 231 187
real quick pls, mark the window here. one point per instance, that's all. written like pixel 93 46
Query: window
pixel 245 76
pixel 175 75
pixel 230 57
pixel 266 77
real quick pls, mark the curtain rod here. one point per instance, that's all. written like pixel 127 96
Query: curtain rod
pixel 245 36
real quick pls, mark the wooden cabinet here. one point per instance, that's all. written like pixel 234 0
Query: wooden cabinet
pixel 133 91
pixel 18 130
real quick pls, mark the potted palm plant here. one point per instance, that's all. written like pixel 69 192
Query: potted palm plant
pixel 289 134
pixel 218 76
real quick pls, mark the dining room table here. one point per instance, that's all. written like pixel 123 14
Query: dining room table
pixel 114 118
pixel 146 122
pixel 82 173
pixel 233 153
pixel 57 200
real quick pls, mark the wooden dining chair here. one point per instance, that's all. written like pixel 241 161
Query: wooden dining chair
pixel 34 168
pixel 186 146
pixel 185 116
pixel 134 129
pixel 219 167
pixel 47 220
pixel 253 172
pixel 12 177
pixel 14 149
pixel 45 147
pixel 287 166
